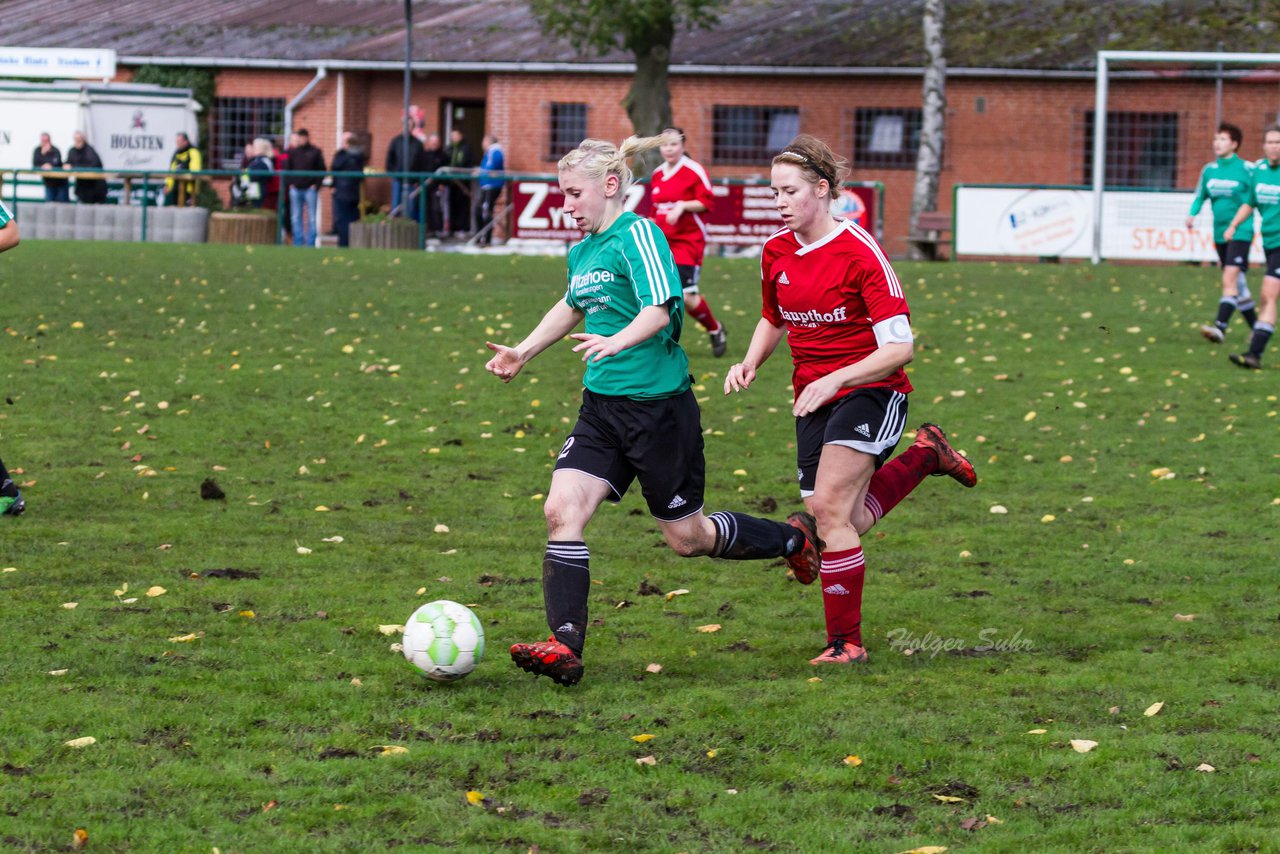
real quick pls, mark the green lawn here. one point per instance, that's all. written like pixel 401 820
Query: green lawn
pixel 343 395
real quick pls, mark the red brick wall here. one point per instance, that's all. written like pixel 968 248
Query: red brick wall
pixel 1029 130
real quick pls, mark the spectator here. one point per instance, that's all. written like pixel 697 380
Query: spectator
pixel 47 157
pixel 459 154
pixel 491 181
pixel 261 171
pixel 242 187
pixel 271 200
pixel 397 162
pixel 89 191
pixel 431 159
pixel 346 189
pixel 304 189
pixel 186 158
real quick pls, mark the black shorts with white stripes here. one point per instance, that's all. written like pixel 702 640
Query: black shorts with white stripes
pixel 870 420
pixel 658 442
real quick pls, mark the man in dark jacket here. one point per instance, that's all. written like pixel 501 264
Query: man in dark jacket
pixel 346 189
pixel 460 158
pixel 396 162
pixel 304 190
pixel 47 157
pixel 431 159
pixel 90 191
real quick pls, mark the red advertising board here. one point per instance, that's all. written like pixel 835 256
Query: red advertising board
pixel 744 214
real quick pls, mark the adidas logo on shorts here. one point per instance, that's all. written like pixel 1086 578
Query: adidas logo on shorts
pixel 864 429
pixel 676 502
pixel 836 590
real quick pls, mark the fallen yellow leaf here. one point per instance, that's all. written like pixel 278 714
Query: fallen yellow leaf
pixel 392 750
pixel 1082 745
pixel 993 820
pixel 1206 768
pixel 853 760
pixel 188 638
pixel 674 593
pixel 642 738
pixel 81 742
pixel 1153 709
pixel 1183 618
pixel 646 760
pixel 248 614
pixel 441 529
pixel 391 630
pixel 1036 731
pixel 709 628
pixel 711 754
pixel 653 668
pixel 475 798
pixel 927 849
pixel 153 592
pixel 70 606
pixel 949 799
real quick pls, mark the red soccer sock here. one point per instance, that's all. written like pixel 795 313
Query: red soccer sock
pixel 703 315
pixel 841 580
pixel 895 480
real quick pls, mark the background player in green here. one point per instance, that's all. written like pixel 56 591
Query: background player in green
pixel 639 419
pixel 11 503
pixel 1264 195
pixel 1225 184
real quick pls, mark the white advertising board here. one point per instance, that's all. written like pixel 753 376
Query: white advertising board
pixel 138 136
pixel 57 63
pixel 1053 222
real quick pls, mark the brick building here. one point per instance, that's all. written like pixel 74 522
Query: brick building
pixel 1020 87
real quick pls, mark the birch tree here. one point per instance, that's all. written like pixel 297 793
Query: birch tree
pixel 924 197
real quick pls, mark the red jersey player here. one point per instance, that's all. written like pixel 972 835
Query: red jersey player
pixel 828 286
pixel 679 191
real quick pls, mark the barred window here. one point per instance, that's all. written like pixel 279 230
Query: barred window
pixel 567 127
pixel 886 138
pixel 1141 149
pixel 751 135
pixel 238 121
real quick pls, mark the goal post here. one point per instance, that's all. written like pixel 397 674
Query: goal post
pixel 1106 58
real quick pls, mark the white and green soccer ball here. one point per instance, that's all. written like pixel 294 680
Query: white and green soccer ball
pixel 443 640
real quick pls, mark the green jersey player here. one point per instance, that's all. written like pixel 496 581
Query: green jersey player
pixel 1264 195
pixel 1225 184
pixel 639 420
pixel 11 503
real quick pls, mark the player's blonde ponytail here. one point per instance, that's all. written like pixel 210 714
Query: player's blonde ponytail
pixel 597 159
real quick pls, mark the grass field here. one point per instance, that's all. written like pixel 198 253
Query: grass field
pixel 343 395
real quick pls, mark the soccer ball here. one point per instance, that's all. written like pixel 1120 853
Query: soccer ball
pixel 443 640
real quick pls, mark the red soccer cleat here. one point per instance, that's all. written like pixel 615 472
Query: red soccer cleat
pixel 548 658
pixel 950 462
pixel 806 562
pixel 841 652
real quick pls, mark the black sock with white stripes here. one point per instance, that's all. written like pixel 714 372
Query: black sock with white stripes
pixel 1261 336
pixel 743 537
pixel 1226 307
pixel 566 580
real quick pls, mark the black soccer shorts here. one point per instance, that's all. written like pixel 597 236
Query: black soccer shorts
pixel 689 275
pixel 658 442
pixel 1234 253
pixel 870 420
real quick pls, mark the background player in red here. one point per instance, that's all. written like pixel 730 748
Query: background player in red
pixel 679 191
pixel 828 286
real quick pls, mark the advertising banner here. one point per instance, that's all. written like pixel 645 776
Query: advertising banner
pixel 1058 222
pixel 743 214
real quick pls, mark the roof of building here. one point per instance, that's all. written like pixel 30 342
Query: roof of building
pixel 829 34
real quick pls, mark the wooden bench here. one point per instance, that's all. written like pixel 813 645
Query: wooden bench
pixel 933 229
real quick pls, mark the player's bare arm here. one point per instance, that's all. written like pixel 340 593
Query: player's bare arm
pixel 1244 213
pixel 9 236
pixel 764 341
pixel 555 324
pixel 649 322
pixel 885 360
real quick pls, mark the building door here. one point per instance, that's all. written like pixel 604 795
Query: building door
pixel 468 117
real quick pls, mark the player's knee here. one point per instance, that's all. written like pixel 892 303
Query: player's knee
pixel 828 512
pixel 561 513
pixel 686 546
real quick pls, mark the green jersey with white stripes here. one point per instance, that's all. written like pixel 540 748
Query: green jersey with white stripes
pixel 1225 183
pixel 6 216
pixel 1264 197
pixel 612 276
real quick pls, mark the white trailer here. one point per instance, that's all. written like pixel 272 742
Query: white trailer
pixel 131 125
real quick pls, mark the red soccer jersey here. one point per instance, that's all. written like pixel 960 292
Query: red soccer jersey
pixel 829 294
pixel 686 181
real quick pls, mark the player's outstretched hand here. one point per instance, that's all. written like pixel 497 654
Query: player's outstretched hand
pixel 595 347
pixel 506 362
pixel 739 378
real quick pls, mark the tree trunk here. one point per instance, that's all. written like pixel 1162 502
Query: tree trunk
pixel 924 197
pixel 648 102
